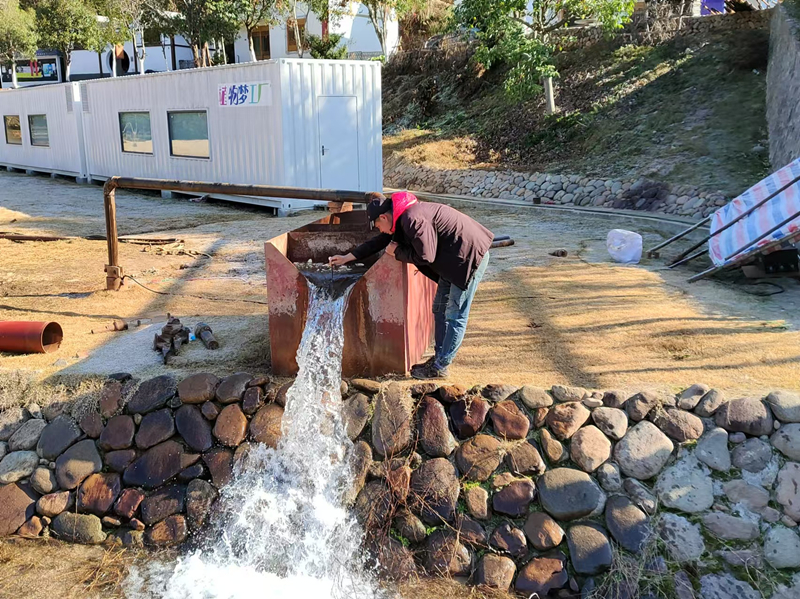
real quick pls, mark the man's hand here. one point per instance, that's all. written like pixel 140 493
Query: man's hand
pixel 340 260
pixel 391 248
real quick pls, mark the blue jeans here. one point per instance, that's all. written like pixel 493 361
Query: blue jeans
pixel 451 313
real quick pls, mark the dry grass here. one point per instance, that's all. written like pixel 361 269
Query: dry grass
pixel 635 576
pixel 438 588
pixel 22 388
pixel 49 569
pixel 417 146
pixel 606 326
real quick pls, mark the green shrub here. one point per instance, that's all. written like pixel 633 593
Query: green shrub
pixel 327 47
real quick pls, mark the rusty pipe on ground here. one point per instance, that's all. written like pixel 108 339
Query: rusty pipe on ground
pixel 502 241
pixel 114 272
pixel 204 333
pixel 30 337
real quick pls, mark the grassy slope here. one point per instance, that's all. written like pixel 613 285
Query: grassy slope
pixel 688 111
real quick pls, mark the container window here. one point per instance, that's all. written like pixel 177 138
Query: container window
pixel 188 134
pixel 13 130
pixel 134 130
pixel 37 125
pixel 291 41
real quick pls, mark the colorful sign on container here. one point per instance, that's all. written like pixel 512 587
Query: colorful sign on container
pixel 244 95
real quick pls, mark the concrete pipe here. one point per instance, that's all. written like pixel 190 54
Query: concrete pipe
pixel 30 337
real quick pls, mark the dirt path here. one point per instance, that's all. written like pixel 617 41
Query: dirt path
pixel 537 319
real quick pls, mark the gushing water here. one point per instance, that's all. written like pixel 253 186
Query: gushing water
pixel 281 529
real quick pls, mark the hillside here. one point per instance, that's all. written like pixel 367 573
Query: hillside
pixel 688 111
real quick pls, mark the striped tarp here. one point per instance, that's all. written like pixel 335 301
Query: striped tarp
pixel 775 211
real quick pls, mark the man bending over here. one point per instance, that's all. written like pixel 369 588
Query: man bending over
pixel 445 245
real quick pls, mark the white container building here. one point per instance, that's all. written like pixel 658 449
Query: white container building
pixel 41 131
pixel 286 122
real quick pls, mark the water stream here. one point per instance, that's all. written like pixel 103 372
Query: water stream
pixel 281 530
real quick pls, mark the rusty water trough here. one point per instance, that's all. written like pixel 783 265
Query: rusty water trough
pixel 388 322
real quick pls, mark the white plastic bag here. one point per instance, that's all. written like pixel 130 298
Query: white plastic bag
pixel 624 246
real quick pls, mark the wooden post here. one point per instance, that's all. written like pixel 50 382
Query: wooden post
pixel 113 269
pixel 549 97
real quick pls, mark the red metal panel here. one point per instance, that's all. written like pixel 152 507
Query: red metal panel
pixel 419 315
pixel 374 323
pixel 287 293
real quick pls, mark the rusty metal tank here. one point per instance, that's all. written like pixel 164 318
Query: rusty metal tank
pixel 388 322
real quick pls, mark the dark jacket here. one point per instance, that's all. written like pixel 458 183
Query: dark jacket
pixel 437 239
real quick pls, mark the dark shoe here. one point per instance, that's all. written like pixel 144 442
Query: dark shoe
pixel 425 364
pixel 429 372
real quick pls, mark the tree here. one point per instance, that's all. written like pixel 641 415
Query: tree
pixel 17 35
pixel 381 13
pixel 199 21
pixel 327 47
pixel 296 10
pixel 134 17
pixel 253 13
pixel 517 33
pixel 65 25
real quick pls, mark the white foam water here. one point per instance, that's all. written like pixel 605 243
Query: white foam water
pixel 280 529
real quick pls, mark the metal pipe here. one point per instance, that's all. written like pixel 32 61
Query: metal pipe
pixel 16 237
pixel 204 333
pixel 295 193
pixel 688 259
pixel 744 257
pixel 680 235
pixel 783 223
pixel 745 214
pixel 114 272
pixel 30 337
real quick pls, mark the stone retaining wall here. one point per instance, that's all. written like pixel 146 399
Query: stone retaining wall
pixel 755 19
pixel 565 190
pixel 783 89
pixel 527 489
pixel 582 37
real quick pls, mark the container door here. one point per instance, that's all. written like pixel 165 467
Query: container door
pixel 338 138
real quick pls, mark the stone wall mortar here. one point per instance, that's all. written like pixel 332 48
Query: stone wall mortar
pixel 783 89
pixel 565 190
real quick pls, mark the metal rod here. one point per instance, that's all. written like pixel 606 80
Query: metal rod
pixel 738 218
pixel 744 257
pixel 113 270
pixel 763 235
pixel 295 193
pixel 15 237
pixel 689 259
pixel 678 236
